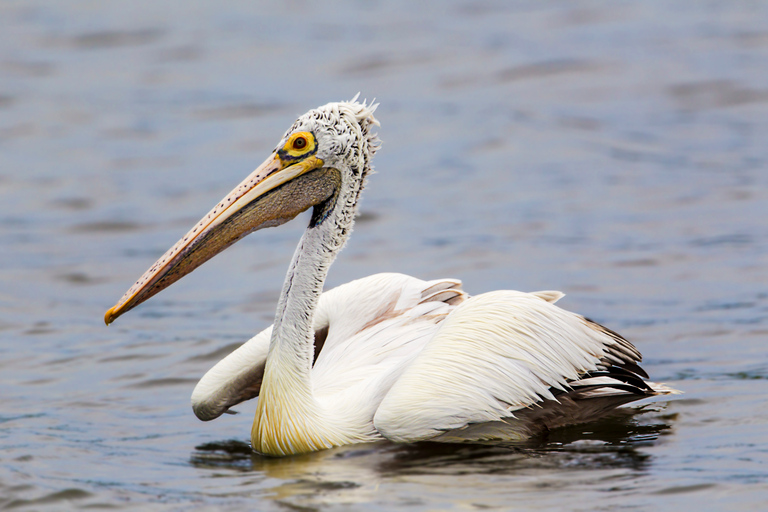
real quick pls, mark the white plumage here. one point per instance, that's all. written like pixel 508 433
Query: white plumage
pixel 388 356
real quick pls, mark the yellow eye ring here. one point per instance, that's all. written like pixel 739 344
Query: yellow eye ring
pixel 298 145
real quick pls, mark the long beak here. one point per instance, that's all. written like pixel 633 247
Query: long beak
pixel 273 194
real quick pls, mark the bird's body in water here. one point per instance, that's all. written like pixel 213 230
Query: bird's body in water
pixel 388 356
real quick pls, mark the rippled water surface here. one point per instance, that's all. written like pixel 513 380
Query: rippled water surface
pixel 615 153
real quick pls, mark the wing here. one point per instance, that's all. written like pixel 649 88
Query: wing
pixel 361 329
pixel 375 320
pixel 232 380
pixel 365 354
pixel 506 354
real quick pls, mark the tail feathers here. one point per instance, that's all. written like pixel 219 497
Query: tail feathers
pixel 585 403
pixel 659 388
pixel 613 382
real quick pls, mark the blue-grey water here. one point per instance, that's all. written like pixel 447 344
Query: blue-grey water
pixel 617 151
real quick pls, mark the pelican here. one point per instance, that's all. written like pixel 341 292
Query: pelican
pixel 386 357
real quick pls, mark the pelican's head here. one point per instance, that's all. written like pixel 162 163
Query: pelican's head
pixel 321 162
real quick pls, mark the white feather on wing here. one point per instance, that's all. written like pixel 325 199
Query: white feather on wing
pixel 497 353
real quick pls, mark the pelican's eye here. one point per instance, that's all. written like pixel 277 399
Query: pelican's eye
pixel 299 145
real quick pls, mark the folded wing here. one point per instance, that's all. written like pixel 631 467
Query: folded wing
pixel 505 355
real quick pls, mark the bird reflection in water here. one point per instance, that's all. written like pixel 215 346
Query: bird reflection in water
pixel 614 441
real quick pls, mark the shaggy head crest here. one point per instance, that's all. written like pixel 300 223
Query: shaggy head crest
pixel 344 133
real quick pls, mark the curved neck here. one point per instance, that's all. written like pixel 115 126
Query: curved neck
pixel 292 342
pixel 288 419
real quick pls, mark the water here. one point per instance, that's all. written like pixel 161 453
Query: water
pixel 617 154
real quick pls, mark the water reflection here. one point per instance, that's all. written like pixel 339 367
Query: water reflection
pixel 612 443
